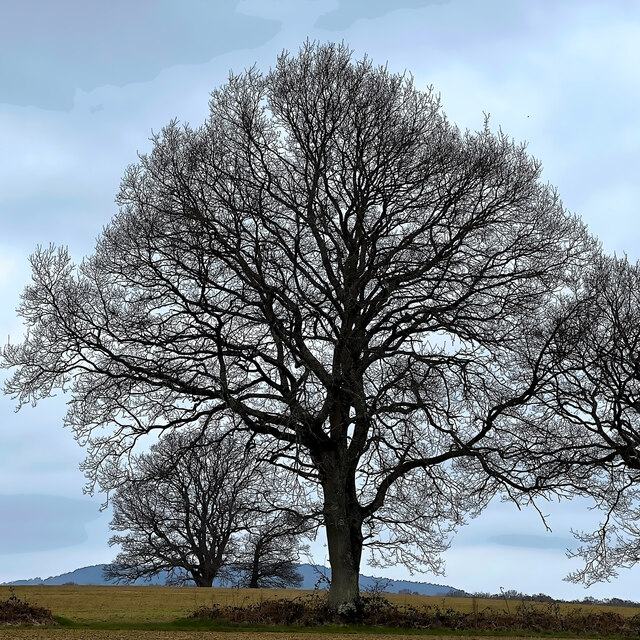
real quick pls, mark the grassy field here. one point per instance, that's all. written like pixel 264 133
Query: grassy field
pixel 148 612
pixel 87 604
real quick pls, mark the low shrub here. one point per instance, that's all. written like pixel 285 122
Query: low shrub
pixel 306 610
pixel 14 611
pixel 312 610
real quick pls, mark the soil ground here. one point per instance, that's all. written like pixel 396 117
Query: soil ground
pixel 89 634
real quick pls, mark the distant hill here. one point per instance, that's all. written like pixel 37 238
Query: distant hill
pixel 311 576
pixel 85 576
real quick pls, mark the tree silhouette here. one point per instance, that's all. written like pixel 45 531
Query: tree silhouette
pixel 184 508
pixel 330 265
pixel 596 393
pixel 271 548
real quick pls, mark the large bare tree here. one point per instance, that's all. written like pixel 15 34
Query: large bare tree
pixel 330 265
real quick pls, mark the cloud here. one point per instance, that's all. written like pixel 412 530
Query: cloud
pixel 34 522
pixel 349 11
pixel 529 541
pixel 50 49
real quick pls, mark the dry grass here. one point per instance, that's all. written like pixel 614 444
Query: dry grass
pixel 136 604
pixel 163 604
pixel 468 605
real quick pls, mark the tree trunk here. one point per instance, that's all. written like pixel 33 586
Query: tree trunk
pixel 205 574
pixel 203 580
pixel 343 525
pixel 255 568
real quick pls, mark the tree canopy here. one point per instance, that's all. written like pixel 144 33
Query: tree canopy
pixel 330 265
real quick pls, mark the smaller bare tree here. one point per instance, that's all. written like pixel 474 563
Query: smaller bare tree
pixel 184 507
pixel 272 546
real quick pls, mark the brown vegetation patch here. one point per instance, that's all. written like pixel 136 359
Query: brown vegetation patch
pixel 14 611
pixel 378 611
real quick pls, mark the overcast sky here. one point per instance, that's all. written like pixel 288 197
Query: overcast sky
pixel 84 83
